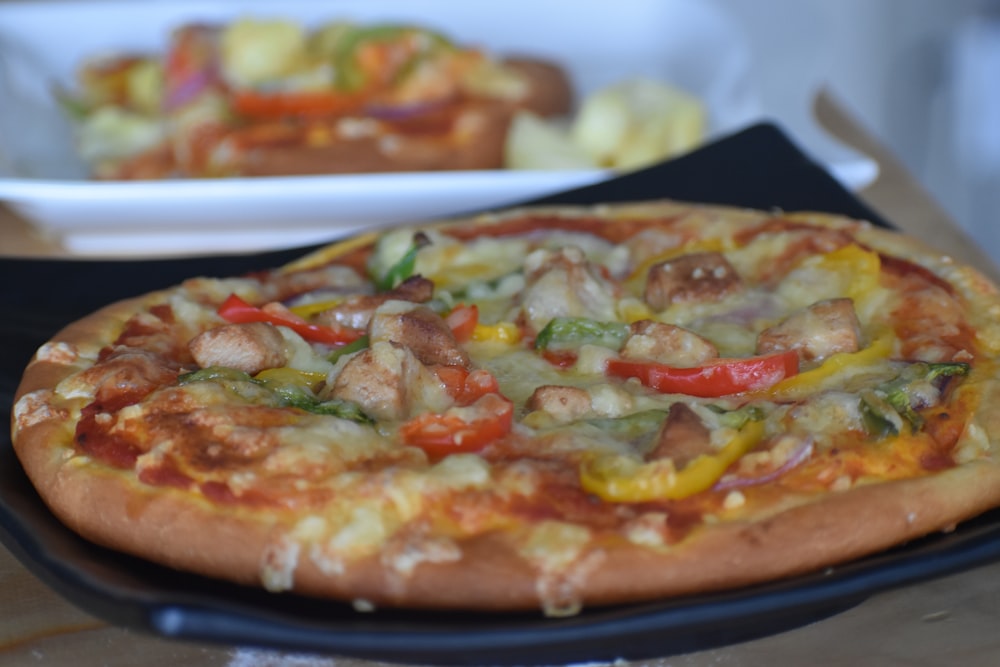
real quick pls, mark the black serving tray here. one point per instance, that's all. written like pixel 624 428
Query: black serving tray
pixel 759 167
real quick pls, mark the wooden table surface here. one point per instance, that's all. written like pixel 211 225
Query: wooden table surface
pixel 947 621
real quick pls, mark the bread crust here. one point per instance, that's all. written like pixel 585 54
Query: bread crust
pixel 801 534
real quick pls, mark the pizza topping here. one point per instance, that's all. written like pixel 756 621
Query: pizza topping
pixel 701 276
pixel 234 309
pixel 289 387
pixel 570 333
pixel 345 350
pixel 562 403
pixel 682 438
pixel 466 386
pixel 355 312
pixel 667 344
pixel 564 284
pixel 460 429
pixel 789 452
pixel 249 347
pixel 626 479
pixel 463 321
pixel 403 267
pixel 124 375
pixel 824 328
pixel 886 406
pixel 421 330
pixel 835 366
pixel 930 322
pixel 388 382
pixel 723 377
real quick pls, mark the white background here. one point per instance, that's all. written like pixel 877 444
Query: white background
pixel 922 75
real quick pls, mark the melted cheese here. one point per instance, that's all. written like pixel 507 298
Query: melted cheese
pixel 362 493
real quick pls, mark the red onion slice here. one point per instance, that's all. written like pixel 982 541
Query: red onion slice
pixel 184 91
pixel 802 452
pixel 396 112
pixel 192 64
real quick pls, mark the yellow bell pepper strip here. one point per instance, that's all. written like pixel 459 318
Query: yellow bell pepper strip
pixel 623 479
pixel 722 377
pixel 307 310
pixel 861 268
pixel 272 377
pixel 236 310
pixel 461 429
pixel 808 380
pixel 501 332
pixel 569 333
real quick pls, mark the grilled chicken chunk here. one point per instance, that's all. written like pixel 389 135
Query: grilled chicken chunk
pixel 421 330
pixel 702 276
pixel 564 404
pixel 250 347
pixel 682 438
pixel 357 311
pixel 667 344
pixel 562 283
pixel 824 328
pixel 389 383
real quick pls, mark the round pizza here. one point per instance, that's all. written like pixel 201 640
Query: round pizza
pixel 541 408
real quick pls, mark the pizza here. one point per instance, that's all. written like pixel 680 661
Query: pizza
pixel 543 408
pixel 272 97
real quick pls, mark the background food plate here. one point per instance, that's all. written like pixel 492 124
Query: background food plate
pixel 688 43
pixel 758 168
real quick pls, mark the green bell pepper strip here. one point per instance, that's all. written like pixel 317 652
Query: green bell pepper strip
pixel 569 333
pixel 884 408
pixel 350 348
pixel 404 266
pixel 287 393
pixel 349 76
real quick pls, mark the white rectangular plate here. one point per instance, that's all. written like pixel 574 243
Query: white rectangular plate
pixel 685 42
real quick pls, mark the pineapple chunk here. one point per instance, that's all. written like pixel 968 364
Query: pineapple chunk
pixel 533 143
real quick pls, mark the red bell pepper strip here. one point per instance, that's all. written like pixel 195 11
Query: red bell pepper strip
pixel 454 432
pixel 719 378
pixel 314 103
pixel 462 321
pixel 561 359
pixel 236 310
pixel 467 387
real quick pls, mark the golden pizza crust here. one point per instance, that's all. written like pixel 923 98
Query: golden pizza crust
pixel 183 531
